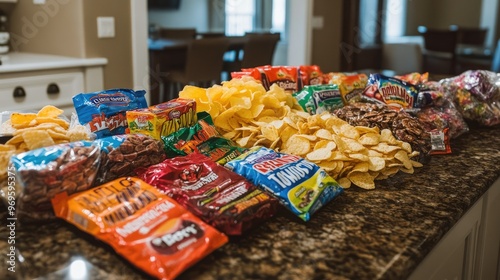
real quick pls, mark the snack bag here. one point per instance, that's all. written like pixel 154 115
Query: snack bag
pixel 414 78
pixel 252 72
pixel 146 227
pixel 162 119
pixel 122 154
pixel 218 196
pixel 220 149
pixel 317 99
pixel 103 112
pixel 394 93
pixel 286 77
pixel 310 75
pixel 301 186
pixel 44 172
pixel 185 140
pixel 350 86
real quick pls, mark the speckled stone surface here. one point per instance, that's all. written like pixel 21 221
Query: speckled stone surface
pixel 380 234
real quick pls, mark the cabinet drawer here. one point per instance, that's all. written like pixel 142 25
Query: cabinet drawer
pixel 35 91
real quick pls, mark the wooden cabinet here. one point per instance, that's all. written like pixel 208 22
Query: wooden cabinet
pixel 471 249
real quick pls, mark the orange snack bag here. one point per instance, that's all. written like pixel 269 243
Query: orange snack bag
pixel 148 228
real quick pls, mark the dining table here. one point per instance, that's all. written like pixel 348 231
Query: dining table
pixel 167 54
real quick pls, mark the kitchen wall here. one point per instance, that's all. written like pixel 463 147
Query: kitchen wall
pixel 441 14
pixel 69 28
pixel 118 50
pixel 191 13
pixel 326 40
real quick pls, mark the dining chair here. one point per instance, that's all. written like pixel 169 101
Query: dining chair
pixel 439 54
pixel 258 50
pixel 203 67
pixel 472 36
pixel 177 33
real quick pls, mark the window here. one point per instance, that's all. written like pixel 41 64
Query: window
pixel 240 16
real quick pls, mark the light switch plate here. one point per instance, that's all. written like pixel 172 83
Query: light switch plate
pixel 105 27
pixel 39 2
pixel 317 22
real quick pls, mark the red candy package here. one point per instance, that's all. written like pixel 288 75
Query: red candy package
pixel 220 197
pixel 311 75
pixel 286 77
pixel 146 227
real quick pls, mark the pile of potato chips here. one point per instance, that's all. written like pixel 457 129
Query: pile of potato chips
pixel 244 112
pixel 35 130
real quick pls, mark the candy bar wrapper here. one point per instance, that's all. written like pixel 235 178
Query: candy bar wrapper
pixel 218 196
pixel 185 140
pixel 76 167
pixel 104 112
pixel 301 186
pixel 317 99
pixel 146 227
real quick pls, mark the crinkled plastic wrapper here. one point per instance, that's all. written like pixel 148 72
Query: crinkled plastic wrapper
pixel 218 196
pixel 477 96
pixel 300 185
pixel 76 167
pixel 104 112
pixel 146 227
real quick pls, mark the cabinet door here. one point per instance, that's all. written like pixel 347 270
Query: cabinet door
pixel 488 262
pixel 454 257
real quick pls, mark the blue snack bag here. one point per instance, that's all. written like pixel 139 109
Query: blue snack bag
pixel 103 112
pixel 301 186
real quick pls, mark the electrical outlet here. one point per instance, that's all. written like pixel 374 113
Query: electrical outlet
pixel 105 27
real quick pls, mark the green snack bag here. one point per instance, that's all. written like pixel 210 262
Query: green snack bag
pixel 304 98
pixel 326 98
pixel 220 149
pixel 185 140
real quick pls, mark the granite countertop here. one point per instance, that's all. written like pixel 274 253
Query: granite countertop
pixel 380 234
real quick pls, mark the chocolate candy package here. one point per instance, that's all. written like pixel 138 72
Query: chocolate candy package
pixel 218 196
pixel 76 167
pixel 220 149
pixel 104 112
pixel 44 172
pixel 146 227
pixel 300 185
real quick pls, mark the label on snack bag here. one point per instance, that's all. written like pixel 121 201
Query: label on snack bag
pixel 103 112
pixel 390 91
pixel 145 226
pixel 299 185
pixel 162 119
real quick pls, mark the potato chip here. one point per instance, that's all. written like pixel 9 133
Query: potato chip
pixel 297 145
pixel 402 156
pixel 60 122
pixel 21 119
pixel 353 145
pixel 349 131
pixel 7 148
pixel 369 139
pixel 35 139
pixel 330 145
pixel 323 134
pixel 270 132
pixel 362 180
pixel 416 163
pixel 385 148
pixel 308 137
pixel 327 165
pixel 376 163
pixel 319 155
pixel 386 136
pixel 49 111
pixel 366 129
pixel 344 182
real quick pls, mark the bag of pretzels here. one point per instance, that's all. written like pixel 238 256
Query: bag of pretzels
pixel 76 167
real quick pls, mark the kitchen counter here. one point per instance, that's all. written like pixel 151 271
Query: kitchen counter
pixel 19 62
pixel 380 234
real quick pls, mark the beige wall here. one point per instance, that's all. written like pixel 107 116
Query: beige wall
pixel 326 40
pixel 441 14
pixel 69 28
pixel 118 50
pixel 53 28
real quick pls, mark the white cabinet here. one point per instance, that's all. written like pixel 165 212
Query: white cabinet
pixel 488 261
pixel 30 81
pixel 454 256
pixel 471 249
